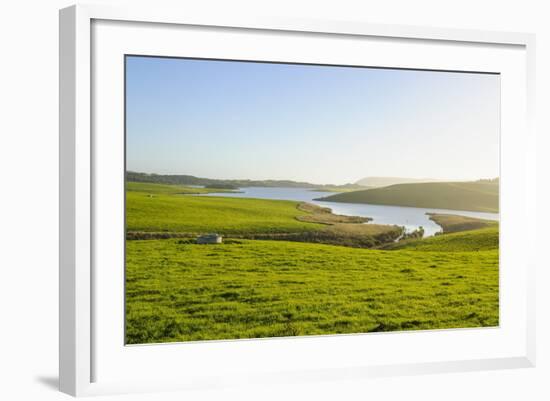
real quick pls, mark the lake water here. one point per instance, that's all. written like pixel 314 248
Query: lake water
pixel 410 217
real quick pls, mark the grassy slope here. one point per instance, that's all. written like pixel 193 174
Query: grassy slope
pixel 467 241
pixel 339 188
pixel 151 188
pixel 451 223
pixel 211 214
pixel 475 196
pixel 387 181
pixel 178 291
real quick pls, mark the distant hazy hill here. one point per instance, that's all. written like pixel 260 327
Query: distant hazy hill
pixel 386 181
pixel 481 196
pixel 181 179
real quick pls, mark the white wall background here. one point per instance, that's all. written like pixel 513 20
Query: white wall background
pixel 29 187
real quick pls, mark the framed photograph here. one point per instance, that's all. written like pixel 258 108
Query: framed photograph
pixel 280 200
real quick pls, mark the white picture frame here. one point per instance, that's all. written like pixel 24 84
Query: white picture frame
pixel 81 342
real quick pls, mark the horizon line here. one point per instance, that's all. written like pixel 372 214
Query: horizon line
pixel 314 183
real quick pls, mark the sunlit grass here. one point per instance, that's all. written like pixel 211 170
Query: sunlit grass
pixel 195 214
pixel 475 240
pixel 178 291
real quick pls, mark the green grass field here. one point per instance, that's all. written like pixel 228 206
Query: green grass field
pixel 484 239
pixel 177 290
pixel 451 223
pixel 249 289
pixel 196 214
pixel 474 196
pixel 151 188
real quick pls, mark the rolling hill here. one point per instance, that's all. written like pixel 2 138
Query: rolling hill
pixel 186 180
pixel 376 182
pixel 480 196
pixel 484 239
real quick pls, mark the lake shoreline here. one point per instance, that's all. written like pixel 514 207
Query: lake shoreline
pixel 409 217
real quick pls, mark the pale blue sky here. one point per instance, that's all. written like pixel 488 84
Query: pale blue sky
pixel 321 124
